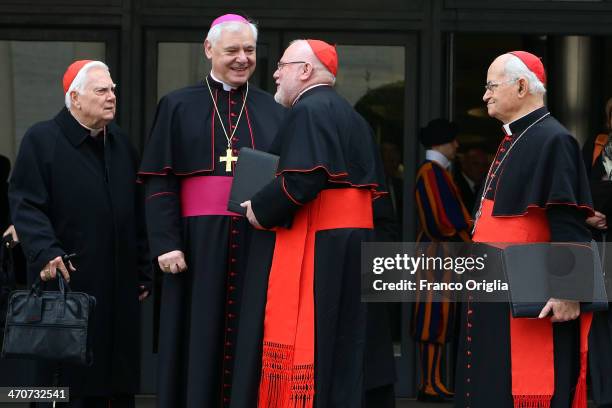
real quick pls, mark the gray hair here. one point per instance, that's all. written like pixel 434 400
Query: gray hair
pixel 322 73
pixel 233 26
pixel 515 68
pixel 80 80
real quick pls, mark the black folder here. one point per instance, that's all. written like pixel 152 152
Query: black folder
pixel 254 169
pixel 527 269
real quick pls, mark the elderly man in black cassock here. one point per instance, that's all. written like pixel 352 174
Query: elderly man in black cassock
pixel 535 191
pixel 320 204
pixel 74 189
pixel 195 241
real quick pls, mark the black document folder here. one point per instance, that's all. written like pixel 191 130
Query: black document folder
pixel 254 169
pixel 529 276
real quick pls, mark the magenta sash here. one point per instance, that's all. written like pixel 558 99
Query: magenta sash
pixel 205 195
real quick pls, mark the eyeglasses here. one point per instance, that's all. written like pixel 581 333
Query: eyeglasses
pixel 281 64
pixel 492 86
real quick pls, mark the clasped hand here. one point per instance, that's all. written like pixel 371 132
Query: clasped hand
pixel 172 262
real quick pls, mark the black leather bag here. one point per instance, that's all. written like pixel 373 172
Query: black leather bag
pixel 50 325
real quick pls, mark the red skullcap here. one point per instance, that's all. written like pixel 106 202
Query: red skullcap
pixel 533 63
pixel 326 54
pixel 228 17
pixel 72 72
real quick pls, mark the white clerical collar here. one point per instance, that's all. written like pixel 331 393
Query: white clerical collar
pixel 226 87
pixel 438 157
pixel 92 132
pixel 297 98
pixel 507 125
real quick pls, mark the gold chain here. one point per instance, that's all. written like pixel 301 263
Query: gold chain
pixel 229 138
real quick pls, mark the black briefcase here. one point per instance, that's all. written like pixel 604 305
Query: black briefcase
pixel 50 325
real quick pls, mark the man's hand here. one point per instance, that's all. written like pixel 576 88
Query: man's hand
pixel 11 231
pixel 562 310
pixel 598 221
pixel 48 271
pixel 250 214
pixel 172 262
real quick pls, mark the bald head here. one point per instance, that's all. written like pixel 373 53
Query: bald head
pixel 512 90
pixel 299 68
pixel 303 50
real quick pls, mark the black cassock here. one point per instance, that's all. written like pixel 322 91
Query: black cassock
pixel 323 144
pixel 600 337
pixel 200 307
pixel 544 170
pixel 70 193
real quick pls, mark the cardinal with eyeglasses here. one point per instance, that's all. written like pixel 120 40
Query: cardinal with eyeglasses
pixel 197 244
pixel 536 190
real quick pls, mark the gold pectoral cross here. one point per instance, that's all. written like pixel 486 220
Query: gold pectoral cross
pixel 228 159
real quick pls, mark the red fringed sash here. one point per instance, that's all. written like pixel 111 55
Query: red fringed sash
pixel 531 340
pixel 287 375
